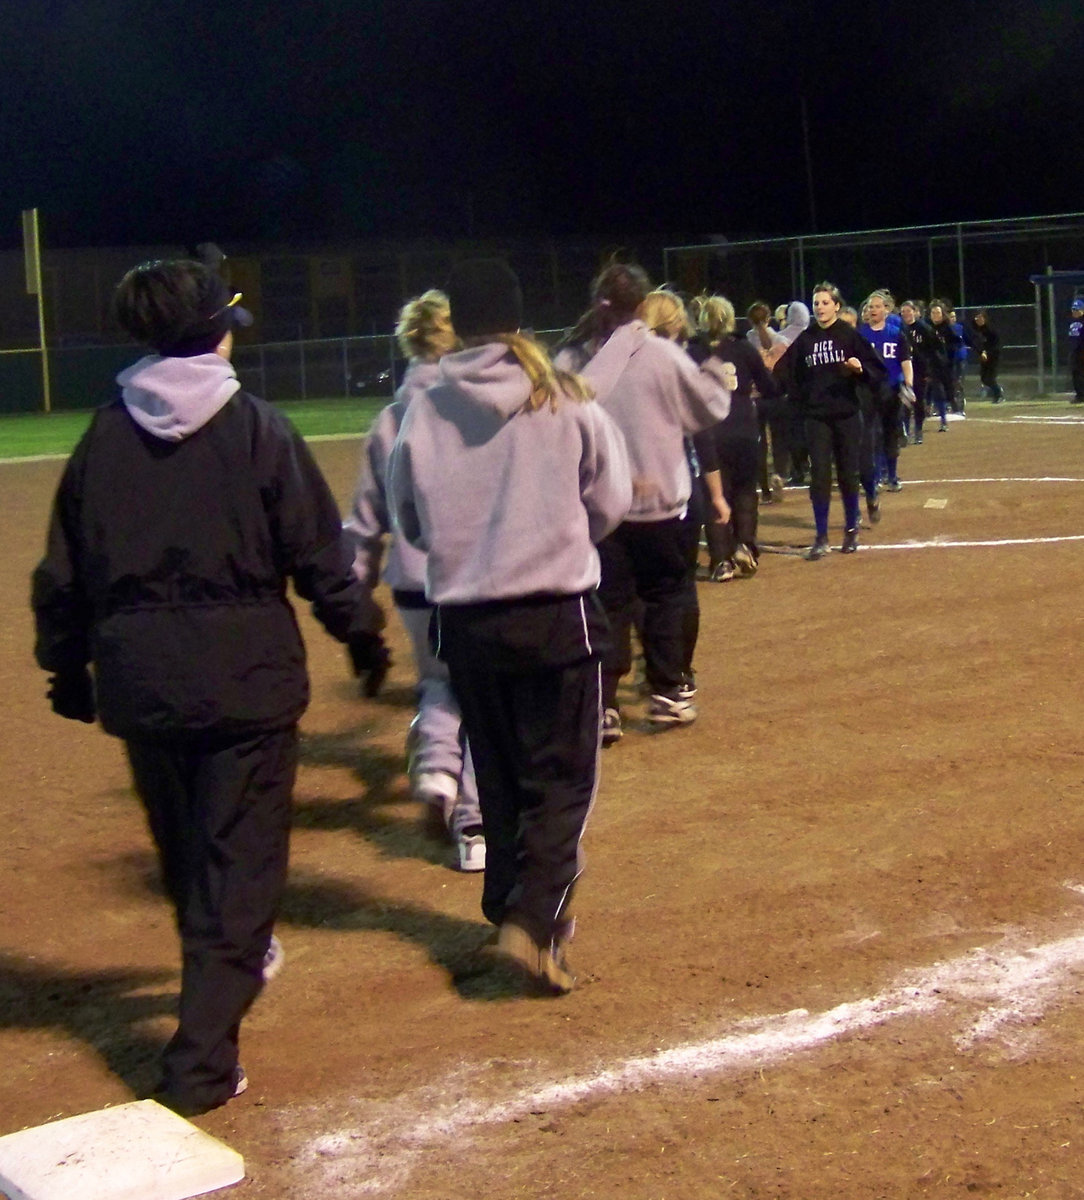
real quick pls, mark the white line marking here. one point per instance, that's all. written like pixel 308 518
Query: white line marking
pixel 950 544
pixel 1011 987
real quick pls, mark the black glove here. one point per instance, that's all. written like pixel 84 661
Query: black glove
pixel 370 659
pixel 72 695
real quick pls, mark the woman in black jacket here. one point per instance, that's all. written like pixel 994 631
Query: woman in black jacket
pixel 182 515
pixel 825 365
pixel 942 384
pixel 988 344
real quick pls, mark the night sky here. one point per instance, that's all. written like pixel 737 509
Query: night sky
pixel 186 120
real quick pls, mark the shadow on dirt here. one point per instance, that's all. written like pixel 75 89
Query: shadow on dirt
pixel 383 814
pixel 461 948
pixel 103 1008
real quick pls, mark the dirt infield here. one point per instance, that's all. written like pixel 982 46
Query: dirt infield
pixel 831 939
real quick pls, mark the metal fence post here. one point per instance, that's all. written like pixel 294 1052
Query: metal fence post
pixel 301 361
pixel 1052 319
pixel 1039 338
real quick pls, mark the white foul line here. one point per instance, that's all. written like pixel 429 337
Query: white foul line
pixel 1010 988
pixel 948 544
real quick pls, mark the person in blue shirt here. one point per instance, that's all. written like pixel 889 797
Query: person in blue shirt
pixel 1076 348
pixel 897 389
pixel 959 363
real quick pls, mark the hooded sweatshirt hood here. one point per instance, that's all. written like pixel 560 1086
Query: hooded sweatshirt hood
pixel 172 398
pixel 797 320
pixel 489 387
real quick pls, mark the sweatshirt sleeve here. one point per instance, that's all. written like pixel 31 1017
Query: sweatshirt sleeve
pixel 314 551
pixel 699 393
pixel 62 611
pixel 402 505
pixel 605 476
pixel 369 520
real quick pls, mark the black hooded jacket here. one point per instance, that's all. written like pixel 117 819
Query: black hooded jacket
pixel 167 567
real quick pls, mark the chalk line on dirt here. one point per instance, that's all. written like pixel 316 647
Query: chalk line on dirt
pixel 1011 987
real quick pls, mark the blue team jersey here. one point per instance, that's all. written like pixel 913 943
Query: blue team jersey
pixel 892 346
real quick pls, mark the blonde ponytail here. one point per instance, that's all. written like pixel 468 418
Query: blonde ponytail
pixel 547 382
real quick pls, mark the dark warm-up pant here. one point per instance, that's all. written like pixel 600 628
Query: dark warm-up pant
pixel 647 562
pixel 738 469
pixel 835 439
pixel 526 675
pixel 219 812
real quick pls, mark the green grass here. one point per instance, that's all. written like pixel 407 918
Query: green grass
pixel 23 435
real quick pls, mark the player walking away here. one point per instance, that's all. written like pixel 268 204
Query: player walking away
pixel 1076 348
pixel 924 351
pixel 959 364
pixel 439 762
pixel 182 514
pixel 825 365
pixel 656 395
pixel 772 416
pixel 988 344
pixel 507 476
pixel 896 393
pixel 940 384
pixel 797 320
pixel 732 446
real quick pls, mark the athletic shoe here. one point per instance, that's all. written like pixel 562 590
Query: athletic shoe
pixel 943 427
pixel 543 968
pixel 819 549
pixel 962 409
pixel 671 710
pixel 723 572
pixel 918 439
pixel 472 852
pixel 873 511
pixel 745 561
pixel 777 489
pixel 611 727
pixel 850 541
pixel 273 962
pixel 894 485
pixel 185 1107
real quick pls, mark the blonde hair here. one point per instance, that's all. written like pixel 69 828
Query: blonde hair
pixel 547 382
pixel 425 328
pixel 716 317
pixel 663 312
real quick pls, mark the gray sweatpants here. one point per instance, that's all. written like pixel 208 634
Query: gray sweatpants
pixel 437 738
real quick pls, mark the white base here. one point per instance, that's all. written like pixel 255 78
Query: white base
pixel 136 1151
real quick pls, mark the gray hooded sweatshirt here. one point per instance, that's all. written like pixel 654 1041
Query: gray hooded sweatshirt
pixel 173 397
pixel 369 519
pixel 656 395
pixel 507 502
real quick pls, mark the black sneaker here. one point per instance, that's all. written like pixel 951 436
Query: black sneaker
pixel 819 549
pixel 850 541
pixel 943 427
pixel 611 727
pixel 873 511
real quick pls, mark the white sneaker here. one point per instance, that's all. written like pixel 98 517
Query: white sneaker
pixel 273 962
pixel 472 853
pixel 671 710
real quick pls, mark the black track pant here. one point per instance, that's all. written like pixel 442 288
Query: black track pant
pixel 526 675
pixel 838 440
pixel 647 562
pixel 219 812
pixel 738 470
